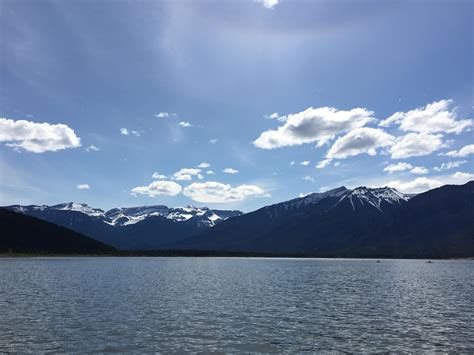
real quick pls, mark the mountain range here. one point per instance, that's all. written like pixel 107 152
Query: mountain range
pixel 130 228
pixel 360 222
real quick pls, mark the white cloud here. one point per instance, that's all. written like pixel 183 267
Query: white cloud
pixel 185 124
pixel 463 152
pixel 269 4
pixel 323 163
pixel 162 115
pixel 433 118
pixel 210 172
pixel 305 163
pixel 308 178
pixel 158 176
pixel 450 165
pixel 419 170
pixel 127 132
pixel 273 116
pixel 276 116
pixel 393 168
pixel 398 167
pixel 204 165
pixel 422 184
pixel 230 171
pixel 83 187
pixel 158 188
pixel 216 192
pixel 37 137
pixel 359 141
pixel 213 141
pixel 416 144
pixel 292 162
pixel 187 174
pixel 92 148
pixel 313 125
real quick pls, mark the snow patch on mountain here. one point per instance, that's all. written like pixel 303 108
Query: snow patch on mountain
pixel 79 207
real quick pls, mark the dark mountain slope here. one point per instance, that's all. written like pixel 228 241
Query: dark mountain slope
pixel 26 234
pixel 438 222
pixel 154 232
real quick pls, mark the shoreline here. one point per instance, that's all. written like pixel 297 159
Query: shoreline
pixel 223 254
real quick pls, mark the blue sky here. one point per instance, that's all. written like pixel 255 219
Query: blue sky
pixel 289 96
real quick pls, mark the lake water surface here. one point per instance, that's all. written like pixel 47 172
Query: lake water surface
pixel 235 305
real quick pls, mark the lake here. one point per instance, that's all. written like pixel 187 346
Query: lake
pixel 150 304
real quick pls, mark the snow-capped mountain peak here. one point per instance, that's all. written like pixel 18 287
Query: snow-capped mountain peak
pixel 374 196
pixel 79 207
pixel 378 198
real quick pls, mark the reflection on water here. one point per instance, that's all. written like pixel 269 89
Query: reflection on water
pixel 233 304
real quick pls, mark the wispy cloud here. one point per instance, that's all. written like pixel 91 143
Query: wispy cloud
pixel 127 132
pixel 83 187
pixel 185 124
pixel 275 116
pixel 230 171
pixel 401 166
pixel 419 170
pixel 164 114
pixel 269 4
pixel 450 165
pixel 92 148
pixel 463 152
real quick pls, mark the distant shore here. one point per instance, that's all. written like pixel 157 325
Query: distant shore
pixel 199 253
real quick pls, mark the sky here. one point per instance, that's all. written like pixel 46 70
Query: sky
pixel 231 104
